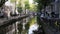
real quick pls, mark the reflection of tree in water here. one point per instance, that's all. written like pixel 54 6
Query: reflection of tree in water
pixel 27 27
pixel 20 27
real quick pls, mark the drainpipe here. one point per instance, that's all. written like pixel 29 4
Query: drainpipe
pixel 56 8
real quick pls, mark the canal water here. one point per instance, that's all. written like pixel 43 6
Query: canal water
pixel 30 26
pixel 33 25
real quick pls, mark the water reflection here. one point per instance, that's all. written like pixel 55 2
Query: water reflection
pixel 33 28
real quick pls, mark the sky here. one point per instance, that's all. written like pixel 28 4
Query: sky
pixel 30 1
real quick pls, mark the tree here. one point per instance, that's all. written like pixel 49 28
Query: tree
pixel 19 7
pixel 42 3
pixel 27 4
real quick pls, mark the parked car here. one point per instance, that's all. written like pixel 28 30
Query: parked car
pixel 1 15
pixel 14 14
